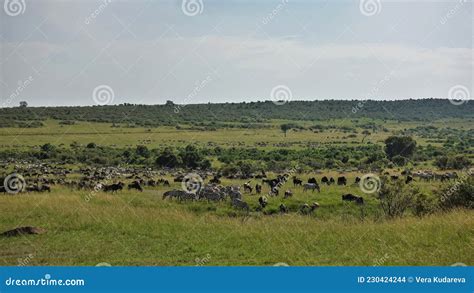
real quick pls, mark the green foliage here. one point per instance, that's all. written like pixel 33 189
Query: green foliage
pixel 399 146
pixel 396 197
pixel 453 162
pixel 459 194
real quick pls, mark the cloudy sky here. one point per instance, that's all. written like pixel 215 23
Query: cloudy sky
pixel 58 52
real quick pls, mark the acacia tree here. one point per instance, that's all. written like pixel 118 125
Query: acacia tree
pixel 285 128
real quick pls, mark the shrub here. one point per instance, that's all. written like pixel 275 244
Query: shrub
pixel 396 197
pixel 458 194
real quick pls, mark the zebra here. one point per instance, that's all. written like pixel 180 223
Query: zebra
pixel 311 186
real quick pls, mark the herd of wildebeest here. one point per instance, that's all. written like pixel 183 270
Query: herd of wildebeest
pixel 195 186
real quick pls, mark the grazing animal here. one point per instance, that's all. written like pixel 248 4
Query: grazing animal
pixel 262 201
pixel 113 187
pixel 248 187
pixel 274 191
pixel 215 180
pixel 22 231
pixel 357 180
pixel 351 197
pixel 297 181
pixel 172 193
pixel 394 177
pixel 312 180
pixel 331 181
pixel 408 179
pixel 341 180
pixel 307 209
pixel 288 193
pixel 283 209
pixel 240 204
pixel 311 186
pixel 258 188
pixel 325 180
pixel 135 185
pixel 166 183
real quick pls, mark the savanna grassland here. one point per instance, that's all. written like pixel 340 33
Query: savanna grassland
pixel 86 226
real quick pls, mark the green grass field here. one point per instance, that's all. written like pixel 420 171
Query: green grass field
pixel 140 228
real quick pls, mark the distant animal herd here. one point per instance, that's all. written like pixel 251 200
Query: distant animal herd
pixel 40 177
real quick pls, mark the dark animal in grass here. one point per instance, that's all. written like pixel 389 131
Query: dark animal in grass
pixel 307 209
pixel 283 209
pixel 215 180
pixel 393 177
pixel 297 181
pixel 248 187
pixel 23 231
pixel 166 183
pixel 325 180
pixel 331 181
pixel 274 191
pixel 341 180
pixel 357 180
pixel 135 185
pixel 312 180
pixel 258 188
pixel 262 201
pixel 288 193
pixel 311 186
pixel 408 179
pixel 351 197
pixel 240 204
pixel 113 187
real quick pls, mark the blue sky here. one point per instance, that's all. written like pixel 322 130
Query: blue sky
pixel 57 52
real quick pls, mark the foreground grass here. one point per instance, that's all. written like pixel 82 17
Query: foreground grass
pixel 142 229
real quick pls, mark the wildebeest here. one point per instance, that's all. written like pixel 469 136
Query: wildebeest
pixel 166 183
pixel 288 193
pixel 341 180
pixel 215 180
pixel 357 180
pixel 258 188
pixel 248 187
pixel 240 204
pixel 311 186
pixel 394 177
pixel 307 209
pixel 312 180
pixel 297 181
pixel 262 201
pixel 274 191
pixel 114 187
pixel 408 179
pixel 135 185
pixel 283 209
pixel 331 181
pixel 351 197
pixel 325 180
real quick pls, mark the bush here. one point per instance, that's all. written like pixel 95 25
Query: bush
pixel 396 197
pixel 458 194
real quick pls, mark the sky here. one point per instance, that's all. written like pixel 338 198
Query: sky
pixel 84 52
